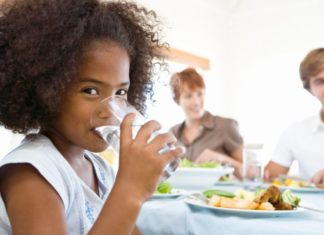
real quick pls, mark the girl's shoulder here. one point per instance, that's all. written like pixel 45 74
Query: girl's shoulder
pixel 39 152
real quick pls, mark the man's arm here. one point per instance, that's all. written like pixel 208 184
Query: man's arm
pixel 273 170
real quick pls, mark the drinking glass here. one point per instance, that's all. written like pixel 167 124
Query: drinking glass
pixel 119 107
pixel 253 169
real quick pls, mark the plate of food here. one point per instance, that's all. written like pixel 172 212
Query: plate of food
pixel 173 194
pixel 262 202
pixel 228 179
pixel 296 185
pixel 309 189
pixel 191 175
pixel 166 191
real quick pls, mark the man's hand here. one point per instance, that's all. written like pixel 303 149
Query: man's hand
pixel 318 178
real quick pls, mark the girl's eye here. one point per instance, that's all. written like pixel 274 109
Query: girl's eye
pixel 121 92
pixel 90 91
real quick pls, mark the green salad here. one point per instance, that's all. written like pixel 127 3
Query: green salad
pixel 187 163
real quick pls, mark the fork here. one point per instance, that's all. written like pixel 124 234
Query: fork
pixel 311 208
pixel 199 197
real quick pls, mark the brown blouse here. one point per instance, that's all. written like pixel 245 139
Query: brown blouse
pixel 218 134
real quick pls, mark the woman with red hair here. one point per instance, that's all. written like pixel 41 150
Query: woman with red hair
pixel 207 138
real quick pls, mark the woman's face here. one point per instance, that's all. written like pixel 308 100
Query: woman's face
pixel 104 71
pixel 192 102
pixel 317 86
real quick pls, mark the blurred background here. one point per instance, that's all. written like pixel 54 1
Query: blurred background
pixel 253 49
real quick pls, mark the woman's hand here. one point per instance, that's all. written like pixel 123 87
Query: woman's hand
pixel 141 165
pixel 210 156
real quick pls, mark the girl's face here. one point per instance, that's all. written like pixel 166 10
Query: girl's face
pixel 104 71
pixel 317 86
pixel 192 102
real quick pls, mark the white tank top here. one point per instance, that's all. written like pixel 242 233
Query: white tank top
pixel 81 204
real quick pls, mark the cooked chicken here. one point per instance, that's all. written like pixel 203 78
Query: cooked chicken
pixel 282 206
pixel 272 194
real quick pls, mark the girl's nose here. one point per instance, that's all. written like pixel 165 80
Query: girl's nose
pixel 106 117
pixel 103 111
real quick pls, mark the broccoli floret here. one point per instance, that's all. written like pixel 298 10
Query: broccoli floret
pixel 164 187
pixel 288 197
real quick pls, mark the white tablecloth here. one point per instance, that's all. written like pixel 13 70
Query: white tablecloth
pixel 174 216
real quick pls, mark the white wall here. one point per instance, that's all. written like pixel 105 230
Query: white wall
pixel 8 140
pixel 198 27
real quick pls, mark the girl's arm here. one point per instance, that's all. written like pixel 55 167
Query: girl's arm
pixel 33 206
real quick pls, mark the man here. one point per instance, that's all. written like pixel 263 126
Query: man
pixel 304 141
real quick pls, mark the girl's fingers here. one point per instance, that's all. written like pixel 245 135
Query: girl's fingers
pixel 163 140
pixel 126 131
pixel 173 154
pixel 146 131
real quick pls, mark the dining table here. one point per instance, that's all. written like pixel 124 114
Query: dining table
pixel 174 215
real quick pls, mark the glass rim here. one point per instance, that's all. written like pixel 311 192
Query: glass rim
pixel 114 97
pixel 253 146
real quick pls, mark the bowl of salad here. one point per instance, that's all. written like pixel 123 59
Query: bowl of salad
pixel 190 175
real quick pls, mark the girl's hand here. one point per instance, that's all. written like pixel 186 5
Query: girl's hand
pixel 140 164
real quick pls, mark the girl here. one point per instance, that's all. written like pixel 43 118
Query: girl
pixel 58 60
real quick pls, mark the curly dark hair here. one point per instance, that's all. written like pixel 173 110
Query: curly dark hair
pixel 42 41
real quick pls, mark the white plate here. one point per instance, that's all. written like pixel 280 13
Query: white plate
pixel 303 189
pixel 241 212
pixel 174 193
pixel 197 178
pixel 229 182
